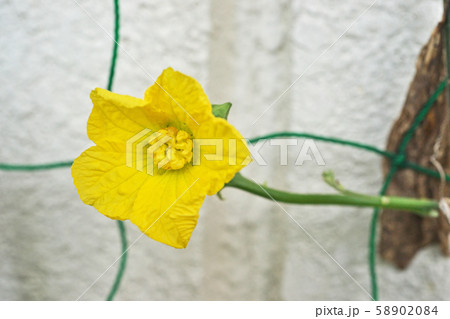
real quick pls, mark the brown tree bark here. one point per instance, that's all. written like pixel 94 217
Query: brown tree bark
pixel 404 234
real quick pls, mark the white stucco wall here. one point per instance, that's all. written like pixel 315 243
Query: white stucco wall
pixel 53 247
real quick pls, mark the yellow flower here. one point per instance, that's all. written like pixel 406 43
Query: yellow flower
pixel 157 158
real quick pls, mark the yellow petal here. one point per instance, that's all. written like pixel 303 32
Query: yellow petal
pixel 105 182
pixel 182 97
pixel 117 117
pixel 164 206
pixel 221 168
pixel 167 207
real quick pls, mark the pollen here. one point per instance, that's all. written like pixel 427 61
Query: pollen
pixel 175 152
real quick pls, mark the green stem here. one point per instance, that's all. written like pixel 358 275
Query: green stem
pixel 422 207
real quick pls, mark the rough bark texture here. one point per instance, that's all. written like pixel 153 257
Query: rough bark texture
pixel 404 234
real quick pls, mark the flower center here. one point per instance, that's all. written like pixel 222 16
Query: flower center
pixel 176 150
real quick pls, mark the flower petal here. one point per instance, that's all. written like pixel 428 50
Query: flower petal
pixel 167 207
pixel 163 206
pixel 105 182
pixel 221 168
pixel 117 117
pixel 182 97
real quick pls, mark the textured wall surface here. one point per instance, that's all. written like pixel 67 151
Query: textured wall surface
pixel 351 71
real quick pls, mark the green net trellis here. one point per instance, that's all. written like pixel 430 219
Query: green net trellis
pixel 398 161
